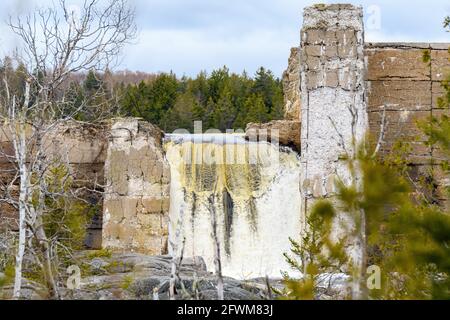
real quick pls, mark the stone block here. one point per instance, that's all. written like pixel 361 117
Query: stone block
pixel 332 79
pixel 347 50
pixel 313 80
pixel 151 205
pixel 314 51
pixel 289 134
pixel 166 204
pixel 399 125
pixel 330 38
pixel 437 92
pixel 346 37
pixel 151 224
pixel 313 63
pixel 397 64
pixel 440 65
pixel 315 36
pixel 331 51
pixel 398 95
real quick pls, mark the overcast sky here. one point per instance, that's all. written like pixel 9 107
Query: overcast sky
pixel 187 36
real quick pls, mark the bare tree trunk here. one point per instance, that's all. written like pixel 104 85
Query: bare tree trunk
pixel 42 239
pixel 359 290
pixel 217 261
pixel 172 283
pixel 175 246
pixel 47 262
pixel 23 172
pixel 269 289
pixel 67 44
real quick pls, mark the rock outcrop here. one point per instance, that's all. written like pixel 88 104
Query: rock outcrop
pixel 134 276
pixel 291 87
pixel 141 277
pixel 286 131
pixel 136 200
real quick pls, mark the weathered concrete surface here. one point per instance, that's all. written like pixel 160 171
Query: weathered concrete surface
pixel 400 82
pixel 136 200
pixel 332 88
pixel 71 142
pixel 396 74
pixel 81 148
pixel 440 64
pixel 333 106
pixel 291 87
pixel 286 132
pixel 397 64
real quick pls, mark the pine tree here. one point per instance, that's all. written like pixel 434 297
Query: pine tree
pixel 256 109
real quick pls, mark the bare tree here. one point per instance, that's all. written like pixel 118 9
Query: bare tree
pixel 215 237
pixel 56 42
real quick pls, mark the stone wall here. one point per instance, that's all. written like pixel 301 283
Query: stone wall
pixel 136 200
pixel 125 160
pixel 80 146
pixel 333 106
pixel 396 77
pixel 405 90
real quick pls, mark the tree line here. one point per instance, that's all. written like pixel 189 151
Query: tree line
pixel 221 100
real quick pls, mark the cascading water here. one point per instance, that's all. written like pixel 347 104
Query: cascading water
pixel 253 190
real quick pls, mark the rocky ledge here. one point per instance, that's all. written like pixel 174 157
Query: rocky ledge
pixel 286 131
pixel 133 276
pixel 141 277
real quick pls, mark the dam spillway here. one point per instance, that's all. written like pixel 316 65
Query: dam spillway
pixel 251 187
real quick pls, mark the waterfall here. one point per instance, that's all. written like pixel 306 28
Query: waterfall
pixel 255 187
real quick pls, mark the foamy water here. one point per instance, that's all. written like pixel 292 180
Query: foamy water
pixel 253 189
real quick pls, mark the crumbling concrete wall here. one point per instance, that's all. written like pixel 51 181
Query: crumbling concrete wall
pixel 136 200
pixel 405 89
pixel 123 161
pixel 82 148
pixel 333 106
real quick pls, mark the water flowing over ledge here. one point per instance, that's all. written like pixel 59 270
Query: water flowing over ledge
pixel 251 187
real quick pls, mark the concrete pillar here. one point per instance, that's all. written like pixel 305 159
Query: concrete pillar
pixel 333 106
pixel 136 201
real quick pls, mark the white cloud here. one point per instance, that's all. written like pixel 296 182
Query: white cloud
pixel 190 36
pixel 194 50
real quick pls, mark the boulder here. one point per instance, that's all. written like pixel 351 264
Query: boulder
pixel 286 131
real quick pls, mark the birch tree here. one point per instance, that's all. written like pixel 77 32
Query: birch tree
pixel 56 42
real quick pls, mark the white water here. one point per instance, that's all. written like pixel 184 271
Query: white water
pixel 256 202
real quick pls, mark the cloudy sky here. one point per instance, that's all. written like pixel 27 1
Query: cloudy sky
pixel 187 36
